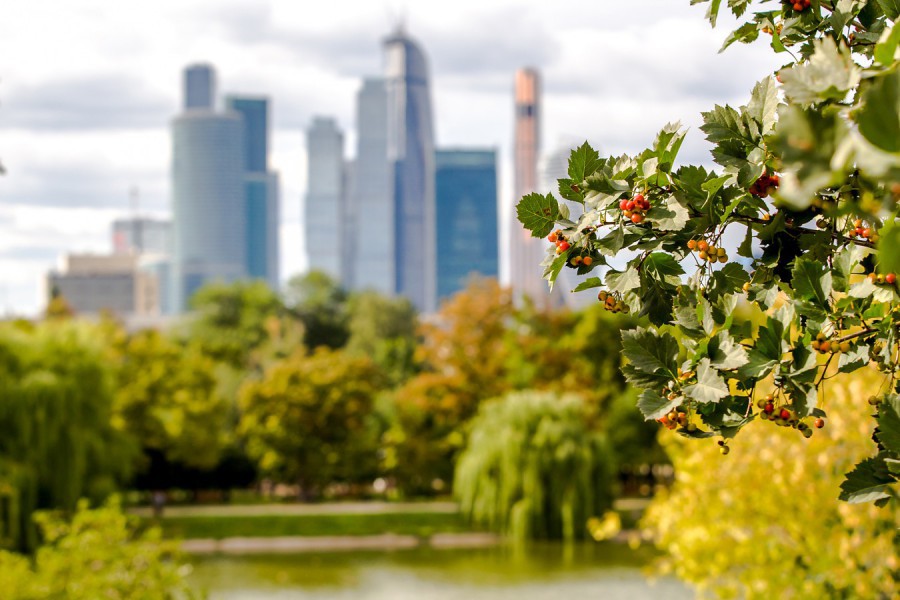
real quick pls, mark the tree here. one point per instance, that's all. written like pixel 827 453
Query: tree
pixel 100 553
pixel 310 420
pixel 384 329
pixel 810 176
pixel 58 441
pixel 774 528
pixel 321 305
pixel 534 468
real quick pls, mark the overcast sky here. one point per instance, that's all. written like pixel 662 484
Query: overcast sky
pixel 88 87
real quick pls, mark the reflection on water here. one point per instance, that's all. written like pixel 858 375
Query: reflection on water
pixel 540 572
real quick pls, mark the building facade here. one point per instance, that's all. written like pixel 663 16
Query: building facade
pixel 142 235
pixel 199 87
pixel 467 223
pixel 92 284
pixel 324 209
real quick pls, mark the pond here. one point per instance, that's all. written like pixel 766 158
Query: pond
pixel 539 572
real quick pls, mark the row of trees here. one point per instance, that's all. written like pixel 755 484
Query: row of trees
pixel 312 388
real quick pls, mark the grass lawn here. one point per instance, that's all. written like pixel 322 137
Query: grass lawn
pixel 216 527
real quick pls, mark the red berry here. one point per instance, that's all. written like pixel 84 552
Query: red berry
pixel 637 218
pixel 639 198
pixel 769 408
pixel 785 414
pixel 587 261
pixel 820 423
pixel 563 246
pixel 890 278
pixel 623 205
pixel 629 205
pixel 552 237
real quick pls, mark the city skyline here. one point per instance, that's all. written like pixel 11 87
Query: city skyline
pixel 75 140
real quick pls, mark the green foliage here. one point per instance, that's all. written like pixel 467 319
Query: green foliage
pixel 385 330
pixel 810 179
pixel 773 527
pixel 100 553
pixel 310 419
pixel 320 304
pixel 58 442
pixel 534 468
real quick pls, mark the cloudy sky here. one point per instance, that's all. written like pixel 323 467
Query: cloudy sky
pixel 88 87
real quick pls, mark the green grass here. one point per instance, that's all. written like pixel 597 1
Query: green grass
pixel 420 524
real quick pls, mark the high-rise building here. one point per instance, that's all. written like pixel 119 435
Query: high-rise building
pixel 410 151
pixel 142 235
pixel 370 198
pixel 261 214
pixel 324 210
pixel 199 87
pixel 467 233
pixel 208 201
pixel 526 252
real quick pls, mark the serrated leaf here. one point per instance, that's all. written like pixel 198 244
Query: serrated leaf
pixel 650 353
pixel 653 406
pixel 811 281
pixel 889 423
pixel 670 215
pixel 725 353
pixel 857 358
pixel 710 386
pixel 538 213
pixel 886 48
pixel 888 242
pixel 879 114
pixel 623 281
pixel 867 482
pixel 663 267
pixel 763 105
pixel 583 162
pixel 591 282
pixel 728 280
pixel 828 75
pixel 891 8
pixel 612 242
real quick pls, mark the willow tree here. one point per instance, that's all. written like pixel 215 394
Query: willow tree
pixel 534 468
pixel 58 443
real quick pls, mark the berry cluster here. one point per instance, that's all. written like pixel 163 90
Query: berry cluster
pixel 559 239
pixel 635 208
pixel 764 186
pixel 708 252
pixel 879 279
pixel 578 260
pixel 859 229
pixel 785 417
pixel 823 346
pixel 798 5
pixel 612 302
pixel 673 420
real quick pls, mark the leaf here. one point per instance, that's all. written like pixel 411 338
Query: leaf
pixel 538 213
pixel 867 482
pixel 857 358
pixel 612 242
pixel 725 353
pixel 828 75
pixel 663 267
pixel 583 162
pixel 888 242
pixel 728 280
pixel 623 281
pixel 710 386
pixel 649 355
pixel 811 281
pixel 889 423
pixel 671 215
pixel 763 104
pixel 879 114
pixel 891 8
pixel 886 48
pixel 591 282
pixel 653 406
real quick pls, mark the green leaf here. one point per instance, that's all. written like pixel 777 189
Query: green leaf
pixel 710 386
pixel 857 358
pixel 591 282
pixel 891 8
pixel 889 423
pixel 764 103
pixel 653 406
pixel 612 242
pixel 867 482
pixel 538 213
pixel 886 48
pixel 879 114
pixel 553 269
pixel 728 280
pixel 623 281
pixel 670 215
pixel 583 162
pixel 812 281
pixel 828 75
pixel 649 355
pixel 888 242
pixel 725 353
pixel 663 267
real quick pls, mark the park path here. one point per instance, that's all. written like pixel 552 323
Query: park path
pixel 278 509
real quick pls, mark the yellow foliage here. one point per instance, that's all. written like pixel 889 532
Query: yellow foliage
pixel 765 522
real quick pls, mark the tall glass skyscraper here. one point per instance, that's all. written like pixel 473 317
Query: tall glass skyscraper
pixel 410 152
pixel 261 214
pixel 324 211
pixel 371 199
pixel 466 198
pixel 199 88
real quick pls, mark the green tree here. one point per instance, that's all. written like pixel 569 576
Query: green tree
pixel 100 553
pixel 774 528
pixel 809 180
pixel 321 305
pixel 534 467
pixel 384 329
pixel 310 420
pixel 58 441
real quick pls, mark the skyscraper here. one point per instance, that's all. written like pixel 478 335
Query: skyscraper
pixel 324 210
pixel 208 201
pixel 526 252
pixel 199 87
pixel 261 213
pixel 142 235
pixel 410 152
pixel 466 199
pixel 371 197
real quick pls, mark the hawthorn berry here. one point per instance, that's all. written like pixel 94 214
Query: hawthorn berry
pixel 587 261
pixel 562 247
pixel 890 278
pixel 637 218
pixel 553 237
pixel 819 423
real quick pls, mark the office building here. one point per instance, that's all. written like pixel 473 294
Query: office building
pixel 199 87
pixel 113 283
pixel 467 224
pixel 324 210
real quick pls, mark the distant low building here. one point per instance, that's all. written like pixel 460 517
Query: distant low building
pixel 142 235
pixel 117 283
